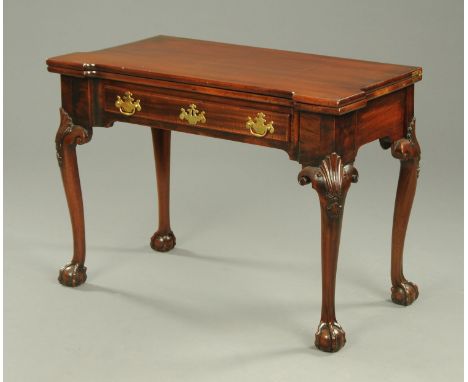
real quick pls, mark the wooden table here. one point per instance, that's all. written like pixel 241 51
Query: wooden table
pixel 318 109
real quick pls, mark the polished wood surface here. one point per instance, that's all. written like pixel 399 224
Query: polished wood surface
pixel 407 150
pixel 319 110
pixel 221 115
pixel 331 181
pixel 308 78
pixel 163 239
pixel 67 137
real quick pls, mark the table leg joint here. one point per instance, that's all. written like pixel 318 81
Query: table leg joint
pixel 69 134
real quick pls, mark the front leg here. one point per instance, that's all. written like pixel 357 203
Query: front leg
pixel 407 150
pixel 331 181
pixel 163 240
pixel 68 136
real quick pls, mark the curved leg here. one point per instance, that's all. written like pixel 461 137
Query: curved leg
pixel 68 136
pixel 163 240
pixel 331 181
pixel 407 150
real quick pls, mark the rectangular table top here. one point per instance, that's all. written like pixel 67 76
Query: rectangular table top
pixel 305 78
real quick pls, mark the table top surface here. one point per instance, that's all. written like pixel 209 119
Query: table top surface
pixel 308 78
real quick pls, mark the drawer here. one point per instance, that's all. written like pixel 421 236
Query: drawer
pixel 197 113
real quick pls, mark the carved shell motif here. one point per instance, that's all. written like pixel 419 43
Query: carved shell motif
pixel 332 174
pixel 332 181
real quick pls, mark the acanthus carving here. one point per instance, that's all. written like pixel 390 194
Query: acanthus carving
pixel 410 133
pixel 407 149
pixel 69 134
pixel 332 181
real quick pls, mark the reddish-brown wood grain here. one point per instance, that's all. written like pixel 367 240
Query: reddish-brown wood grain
pixel 221 114
pixel 384 116
pixel 323 110
pixel 331 180
pixel 67 137
pixel 308 78
pixel 163 239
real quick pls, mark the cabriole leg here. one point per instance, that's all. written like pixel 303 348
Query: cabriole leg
pixel 407 150
pixel 331 181
pixel 163 240
pixel 68 136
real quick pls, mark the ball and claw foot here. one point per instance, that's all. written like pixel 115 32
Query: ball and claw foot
pixel 405 293
pixel 72 275
pixel 330 337
pixel 163 242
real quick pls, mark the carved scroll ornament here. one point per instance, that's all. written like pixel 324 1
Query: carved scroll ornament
pixel 332 181
pixel 69 134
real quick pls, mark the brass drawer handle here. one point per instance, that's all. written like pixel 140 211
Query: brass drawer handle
pixel 127 105
pixel 192 115
pixel 258 127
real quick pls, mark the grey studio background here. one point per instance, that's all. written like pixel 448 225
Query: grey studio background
pixel 239 298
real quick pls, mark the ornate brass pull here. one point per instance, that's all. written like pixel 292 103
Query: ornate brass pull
pixel 192 115
pixel 258 127
pixel 127 105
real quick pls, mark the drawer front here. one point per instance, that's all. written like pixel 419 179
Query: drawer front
pixel 198 113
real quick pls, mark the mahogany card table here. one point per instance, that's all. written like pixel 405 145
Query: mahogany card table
pixel 320 110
